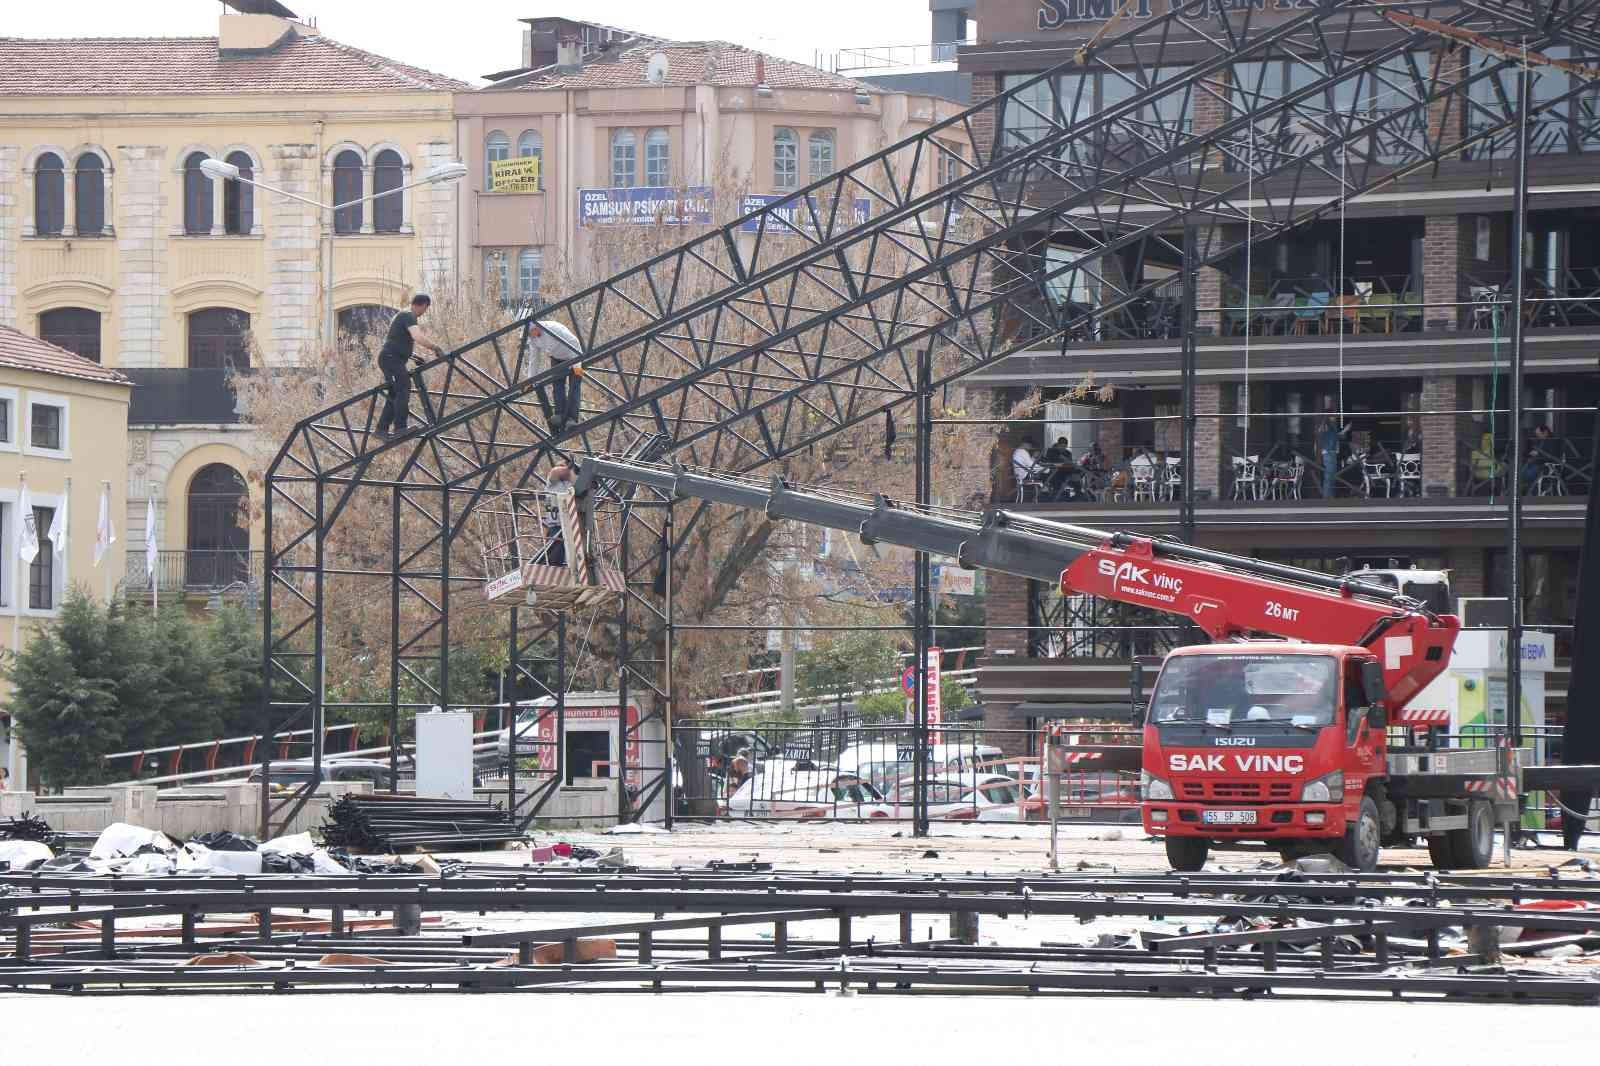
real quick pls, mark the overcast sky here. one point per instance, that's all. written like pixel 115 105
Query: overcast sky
pixel 470 38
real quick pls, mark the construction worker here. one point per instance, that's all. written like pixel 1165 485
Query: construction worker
pixel 561 483
pixel 557 344
pixel 405 334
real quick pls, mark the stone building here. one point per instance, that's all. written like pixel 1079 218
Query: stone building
pixel 115 245
pixel 624 124
pixel 63 427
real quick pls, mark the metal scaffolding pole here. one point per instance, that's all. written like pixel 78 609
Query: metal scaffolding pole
pixel 1186 507
pixel 923 593
pixel 622 671
pixel 508 696
pixel 394 646
pixel 1519 224
pixel 667 655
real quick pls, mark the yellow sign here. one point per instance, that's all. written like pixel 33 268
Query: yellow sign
pixel 515 175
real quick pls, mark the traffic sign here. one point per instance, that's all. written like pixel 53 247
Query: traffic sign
pixel 908 681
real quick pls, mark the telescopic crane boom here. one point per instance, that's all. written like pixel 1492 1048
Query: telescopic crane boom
pixel 1227 596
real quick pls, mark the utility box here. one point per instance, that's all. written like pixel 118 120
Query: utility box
pixel 444 755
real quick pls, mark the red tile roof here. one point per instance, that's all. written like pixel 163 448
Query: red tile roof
pixel 716 63
pixel 153 66
pixel 18 351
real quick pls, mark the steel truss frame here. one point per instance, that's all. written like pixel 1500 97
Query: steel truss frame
pixel 798 321
pixel 1344 934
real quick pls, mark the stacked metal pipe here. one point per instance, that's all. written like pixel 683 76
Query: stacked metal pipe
pixel 393 824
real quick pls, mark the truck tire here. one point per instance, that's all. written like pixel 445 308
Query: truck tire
pixel 1359 848
pixel 1473 847
pixel 1442 851
pixel 1187 853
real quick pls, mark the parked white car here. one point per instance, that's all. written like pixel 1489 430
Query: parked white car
pixel 954 798
pixel 780 791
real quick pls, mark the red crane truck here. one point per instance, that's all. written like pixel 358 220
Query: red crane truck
pixel 1282 742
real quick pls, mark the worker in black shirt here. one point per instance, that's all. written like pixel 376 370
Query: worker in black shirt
pixel 398 348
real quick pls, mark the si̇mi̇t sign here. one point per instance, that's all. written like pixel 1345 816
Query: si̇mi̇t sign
pixel 1055 14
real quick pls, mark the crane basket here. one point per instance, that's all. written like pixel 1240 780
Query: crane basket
pixel 538 542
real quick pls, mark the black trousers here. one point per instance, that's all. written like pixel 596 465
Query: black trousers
pixel 397 408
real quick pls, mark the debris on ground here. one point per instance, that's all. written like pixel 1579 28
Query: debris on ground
pixel 28 827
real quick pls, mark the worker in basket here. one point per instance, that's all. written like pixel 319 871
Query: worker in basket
pixel 561 484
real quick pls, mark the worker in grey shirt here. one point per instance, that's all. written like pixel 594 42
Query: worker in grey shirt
pixel 554 345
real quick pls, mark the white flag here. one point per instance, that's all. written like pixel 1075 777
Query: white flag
pixel 150 545
pixel 58 529
pixel 105 534
pixel 27 528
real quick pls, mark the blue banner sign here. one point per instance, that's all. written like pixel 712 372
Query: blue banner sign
pixel 645 206
pixel 798 215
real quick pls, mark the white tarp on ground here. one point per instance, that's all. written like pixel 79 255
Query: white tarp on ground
pixel 120 838
pixel 19 854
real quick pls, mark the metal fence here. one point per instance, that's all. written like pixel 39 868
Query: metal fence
pixel 811 771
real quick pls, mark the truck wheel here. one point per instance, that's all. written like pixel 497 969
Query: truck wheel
pixel 1442 851
pixel 1473 847
pixel 1187 853
pixel 1359 848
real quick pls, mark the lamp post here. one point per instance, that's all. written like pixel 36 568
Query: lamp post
pixel 218 170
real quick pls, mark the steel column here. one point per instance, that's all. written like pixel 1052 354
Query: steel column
pixel 513 740
pixel 922 638
pixel 1186 507
pixel 394 647
pixel 1519 230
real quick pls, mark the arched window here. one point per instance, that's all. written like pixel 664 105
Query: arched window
pixel 196 196
pixel 821 145
pixel 388 175
pixel 77 329
pixel 530 269
pixel 624 159
pixel 347 182
pixel 364 326
pixel 496 147
pixel 531 143
pixel 89 196
pixel 785 160
pixel 219 339
pixel 49 196
pixel 658 158
pixel 218 542
pixel 238 199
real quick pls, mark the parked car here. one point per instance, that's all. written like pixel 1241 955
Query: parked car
pixel 296 772
pixel 958 798
pixel 780 789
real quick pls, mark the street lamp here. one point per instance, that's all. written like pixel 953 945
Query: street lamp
pixel 218 170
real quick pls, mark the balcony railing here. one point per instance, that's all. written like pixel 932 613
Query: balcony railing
pixel 198 570
pixel 176 396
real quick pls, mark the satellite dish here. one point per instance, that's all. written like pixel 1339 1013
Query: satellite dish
pixel 656 72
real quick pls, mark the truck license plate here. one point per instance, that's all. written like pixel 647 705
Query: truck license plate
pixel 1229 817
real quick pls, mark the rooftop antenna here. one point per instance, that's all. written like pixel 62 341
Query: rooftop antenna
pixel 656 72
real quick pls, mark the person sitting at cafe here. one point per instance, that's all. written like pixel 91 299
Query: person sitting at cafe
pixel 1023 464
pixel 1066 479
pixel 1057 451
pixel 1541 449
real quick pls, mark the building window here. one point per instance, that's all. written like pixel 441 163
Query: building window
pixel 219 339
pixel 950 167
pixel 530 267
pixel 658 158
pixel 821 150
pixel 42 571
pixel 7 406
pixel 497 274
pixel 46 426
pixel 89 196
pixel 49 196
pixel 347 190
pixel 365 326
pixel 388 207
pixel 76 329
pixel 496 147
pixel 196 196
pixel 624 159
pixel 238 199
pixel 785 160
pixel 218 546
pixel 531 143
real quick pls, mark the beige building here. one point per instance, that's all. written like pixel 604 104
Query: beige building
pixel 64 425
pixel 114 243
pixel 629 127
